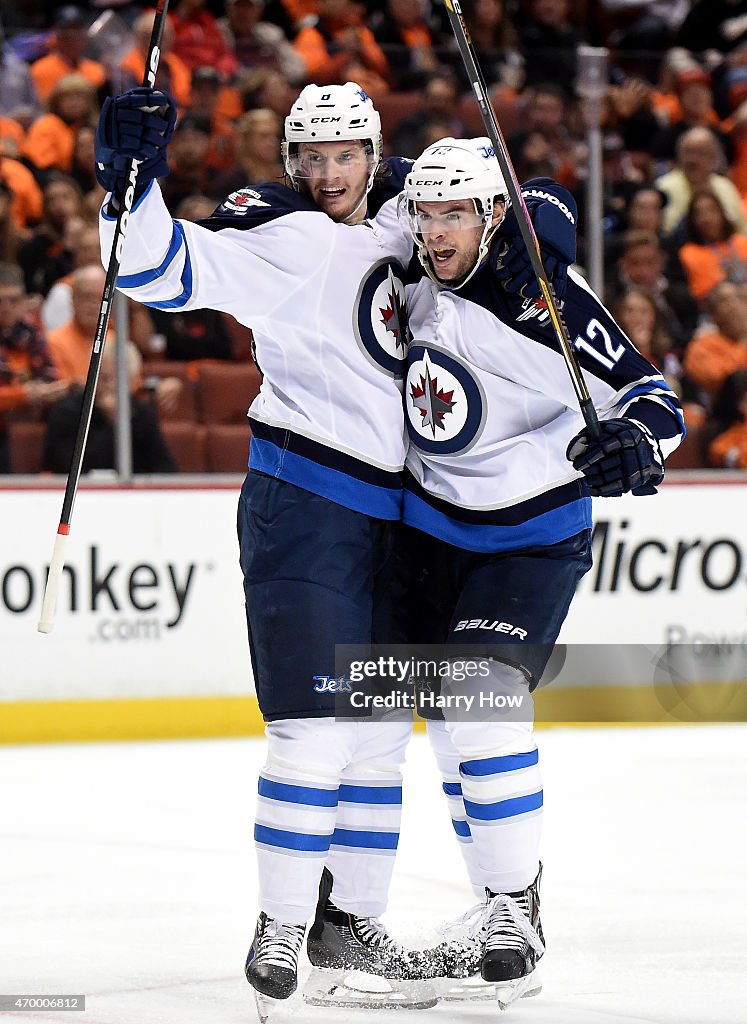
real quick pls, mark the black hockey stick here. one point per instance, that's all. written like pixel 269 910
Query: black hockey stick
pixel 49 603
pixel 523 219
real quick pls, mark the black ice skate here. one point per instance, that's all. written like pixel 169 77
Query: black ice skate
pixel 513 942
pixel 357 962
pixel 491 952
pixel 272 963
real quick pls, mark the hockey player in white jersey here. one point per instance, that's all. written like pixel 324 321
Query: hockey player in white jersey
pixel 324 297
pixel 321 287
pixel 499 476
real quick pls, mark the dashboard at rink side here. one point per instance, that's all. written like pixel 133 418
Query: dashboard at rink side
pixel 151 600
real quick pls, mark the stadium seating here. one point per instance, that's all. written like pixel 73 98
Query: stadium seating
pixel 26 444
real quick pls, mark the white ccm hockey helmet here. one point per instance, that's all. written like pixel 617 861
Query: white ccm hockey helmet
pixel 331 113
pixel 455 169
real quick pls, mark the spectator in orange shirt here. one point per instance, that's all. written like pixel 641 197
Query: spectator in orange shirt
pixel 28 379
pixel 70 344
pixel 339 48
pixel 26 196
pixel 713 250
pixel 173 74
pixel 67 56
pixel 727 424
pixel 11 137
pixel 715 354
pixel 50 142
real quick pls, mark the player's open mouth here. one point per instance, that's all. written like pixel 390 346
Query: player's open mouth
pixel 442 255
pixel 332 193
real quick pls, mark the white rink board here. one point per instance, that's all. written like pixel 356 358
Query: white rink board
pixel 158 601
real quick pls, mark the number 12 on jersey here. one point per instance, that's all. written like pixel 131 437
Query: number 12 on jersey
pixel 595 330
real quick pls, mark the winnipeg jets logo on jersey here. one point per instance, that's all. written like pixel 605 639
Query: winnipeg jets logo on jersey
pixel 444 402
pixel 531 308
pixel 239 202
pixel 380 317
pixel 432 402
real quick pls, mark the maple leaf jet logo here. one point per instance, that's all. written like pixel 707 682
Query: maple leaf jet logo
pixel 394 315
pixel 432 403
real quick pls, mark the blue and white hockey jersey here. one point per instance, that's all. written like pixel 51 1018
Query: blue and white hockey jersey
pixel 490 410
pixel 326 304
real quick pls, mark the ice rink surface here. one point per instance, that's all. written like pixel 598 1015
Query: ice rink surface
pixel 127 874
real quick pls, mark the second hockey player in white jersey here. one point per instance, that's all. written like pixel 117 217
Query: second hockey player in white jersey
pixel 499 475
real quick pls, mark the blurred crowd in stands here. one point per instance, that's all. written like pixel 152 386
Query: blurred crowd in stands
pixel 674 130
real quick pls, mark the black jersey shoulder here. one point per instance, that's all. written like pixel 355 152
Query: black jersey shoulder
pixel 388 182
pixel 258 204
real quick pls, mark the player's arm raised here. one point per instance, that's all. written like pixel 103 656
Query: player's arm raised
pixel 170 264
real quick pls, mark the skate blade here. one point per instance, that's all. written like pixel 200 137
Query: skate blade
pixel 522 988
pixel 265 1005
pixel 329 987
pixel 475 989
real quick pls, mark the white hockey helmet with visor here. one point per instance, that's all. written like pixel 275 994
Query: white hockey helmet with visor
pixel 449 170
pixel 331 113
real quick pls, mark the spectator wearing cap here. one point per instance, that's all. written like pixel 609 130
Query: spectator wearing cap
pixel 189 173
pixel 206 94
pixel 699 160
pixel 66 58
pixel 173 74
pixel 198 41
pixel 50 141
pixel 338 47
pixel 258 43
pixel 695 96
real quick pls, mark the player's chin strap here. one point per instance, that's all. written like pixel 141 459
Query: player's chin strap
pixel 364 197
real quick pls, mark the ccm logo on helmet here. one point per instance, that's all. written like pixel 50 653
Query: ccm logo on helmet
pixel 536 194
pixel 324 120
pixel 423 181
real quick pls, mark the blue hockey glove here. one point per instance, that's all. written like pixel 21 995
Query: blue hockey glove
pixel 554 214
pixel 136 125
pixel 627 457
